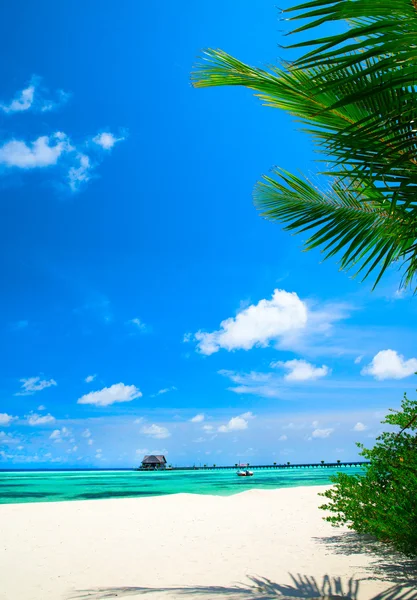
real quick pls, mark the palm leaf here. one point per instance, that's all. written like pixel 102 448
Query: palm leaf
pixel 381 31
pixel 349 218
pixel 378 28
pixel 355 93
pixel 375 135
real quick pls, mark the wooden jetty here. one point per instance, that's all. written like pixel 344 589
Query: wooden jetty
pixel 321 465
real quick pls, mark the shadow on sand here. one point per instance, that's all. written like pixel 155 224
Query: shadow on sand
pixel 399 572
pixel 260 588
pixel 386 564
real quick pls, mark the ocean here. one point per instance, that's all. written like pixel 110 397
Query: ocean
pixel 57 486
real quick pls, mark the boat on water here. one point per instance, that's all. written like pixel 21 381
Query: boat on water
pixel 244 471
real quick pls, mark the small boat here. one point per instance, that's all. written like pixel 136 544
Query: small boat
pixel 244 473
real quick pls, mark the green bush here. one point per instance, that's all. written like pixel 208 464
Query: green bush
pixel 383 500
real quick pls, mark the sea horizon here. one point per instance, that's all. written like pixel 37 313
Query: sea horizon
pixel 326 464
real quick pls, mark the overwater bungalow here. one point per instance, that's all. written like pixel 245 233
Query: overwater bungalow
pixel 154 462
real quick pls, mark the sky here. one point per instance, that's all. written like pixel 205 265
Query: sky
pixel 145 306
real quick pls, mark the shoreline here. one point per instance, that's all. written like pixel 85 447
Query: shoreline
pixel 168 494
pixel 51 487
pixel 179 544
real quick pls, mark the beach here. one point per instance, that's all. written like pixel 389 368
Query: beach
pixel 255 543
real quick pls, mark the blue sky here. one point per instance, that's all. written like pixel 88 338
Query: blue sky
pixel 145 306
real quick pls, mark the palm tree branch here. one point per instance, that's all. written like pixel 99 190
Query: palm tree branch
pixel 341 130
pixel 355 93
pixel 365 230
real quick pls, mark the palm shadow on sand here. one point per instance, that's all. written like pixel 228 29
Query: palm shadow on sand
pixel 259 588
pixel 386 565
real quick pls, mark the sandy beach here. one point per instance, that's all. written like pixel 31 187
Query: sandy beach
pixel 257 544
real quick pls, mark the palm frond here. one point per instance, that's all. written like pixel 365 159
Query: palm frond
pixel 355 92
pixel 378 29
pixel 354 221
pixel 376 135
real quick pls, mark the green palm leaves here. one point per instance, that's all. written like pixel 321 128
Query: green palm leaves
pixel 354 92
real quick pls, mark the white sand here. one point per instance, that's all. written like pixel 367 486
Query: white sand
pixel 53 551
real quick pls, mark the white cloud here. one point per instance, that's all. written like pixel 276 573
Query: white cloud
pixel 6 419
pixel 359 427
pixel 8 438
pixel 52 150
pixel 48 151
pixel 142 451
pixel 43 152
pixel 315 424
pixel 138 324
pixel 35 419
pixel 23 101
pixel 62 97
pixel 34 384
pixel 165 391
pixel 290 426
pixel 258 384
pixel 358 359
pixel 79 174
pixel 118 392
pixel 106 140
pixel 248 415
pixel 198 418
pixel 301 370
pixel 266 391
pixel 256 325
pixel 90 442
pixel 86 433
pixel 236 423
pixel 246 378
pixel 282 438
pixel 32 98
pixel 59 434
pixel 90 378
pixel 41 407
pixel 388 364
pixel 322 433
pixel 156 431
pixel 208 427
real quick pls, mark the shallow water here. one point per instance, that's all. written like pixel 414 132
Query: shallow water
pixel 55 486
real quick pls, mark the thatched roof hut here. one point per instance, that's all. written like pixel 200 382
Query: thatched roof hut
pixel 154 461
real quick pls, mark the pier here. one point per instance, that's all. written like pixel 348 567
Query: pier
pixel 321 465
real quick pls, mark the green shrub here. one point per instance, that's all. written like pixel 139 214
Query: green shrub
pixel 383 500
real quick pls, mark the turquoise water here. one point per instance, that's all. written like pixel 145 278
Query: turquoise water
pixel 56 486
